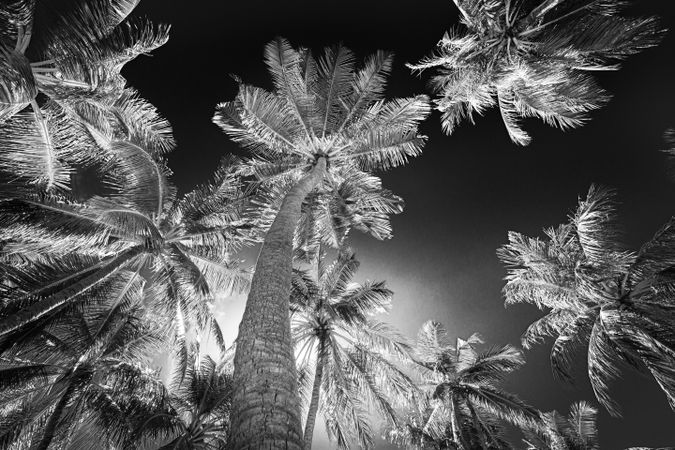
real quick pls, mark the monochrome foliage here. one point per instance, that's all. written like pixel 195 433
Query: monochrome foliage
pixel 354 355
pixel 616 304
pixel 109 275
pixel 464 407
pixel 532 58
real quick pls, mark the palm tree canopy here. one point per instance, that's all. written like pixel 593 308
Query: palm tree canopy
pixel 73 59
pixel 532 59
pixel 196 413
pixel 328 108
pixel 333 314
pixel 464 405
pixel 618 304
pixel 87 369
pixel 55 250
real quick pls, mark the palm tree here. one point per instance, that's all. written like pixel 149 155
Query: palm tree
pixel 89 367
pixel 333 327
pixel 576 431
pixel 326 122
pixel 56 251
pixel 196 414
pixel 617 303
pixel 464 407
pixel 532 59
pixel 73 60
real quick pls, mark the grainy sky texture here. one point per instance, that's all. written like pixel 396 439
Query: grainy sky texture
pixel 465 192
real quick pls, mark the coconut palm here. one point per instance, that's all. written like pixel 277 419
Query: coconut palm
pixel 57 250
pixel 89 367
pixel 325 123
pixel 532 58
pixel 352 353
pixel 196 414
pixel 576 431
pixel 617 304
pixel 72 61
pixel 465 408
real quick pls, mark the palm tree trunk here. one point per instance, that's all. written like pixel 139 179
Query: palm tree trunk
pixel 44 307
pixel 266 405
pixel 316 389
pixel 53 421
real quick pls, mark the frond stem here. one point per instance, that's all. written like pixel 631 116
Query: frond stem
pixel 556 20
pixel 49 147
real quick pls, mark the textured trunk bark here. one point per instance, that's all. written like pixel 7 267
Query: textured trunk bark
pixel 316 389
pixel 265 402
pixel 53 421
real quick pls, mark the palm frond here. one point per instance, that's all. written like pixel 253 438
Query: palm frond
pixel 493 365
pixel 368 85
pixel 432 341
pixel 335 70
pixel 357 301
pixel 582 420
pixel 595 223
pixel 506 406
pixel 601 369
pixel 655 256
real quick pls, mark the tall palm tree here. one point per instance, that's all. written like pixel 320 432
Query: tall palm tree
pixel 56 251
pixel 333 328
pixel 89 367
pixel 196 414
pixel 618 304
pixel 464 408
pixel 532 59
pixel 576 431
pixel 325 123
pixel 73 61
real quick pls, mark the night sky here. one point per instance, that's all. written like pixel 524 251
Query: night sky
pixel 464 193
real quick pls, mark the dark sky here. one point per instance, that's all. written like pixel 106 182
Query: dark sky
pixel 465 192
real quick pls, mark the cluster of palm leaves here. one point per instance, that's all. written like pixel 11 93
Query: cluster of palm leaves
pixel 532 58
pixel 576 431
pixel 105 268
pixel 616 304
pixel 463 406
pixel 89 368
pixel 62 78
pixel 194 414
